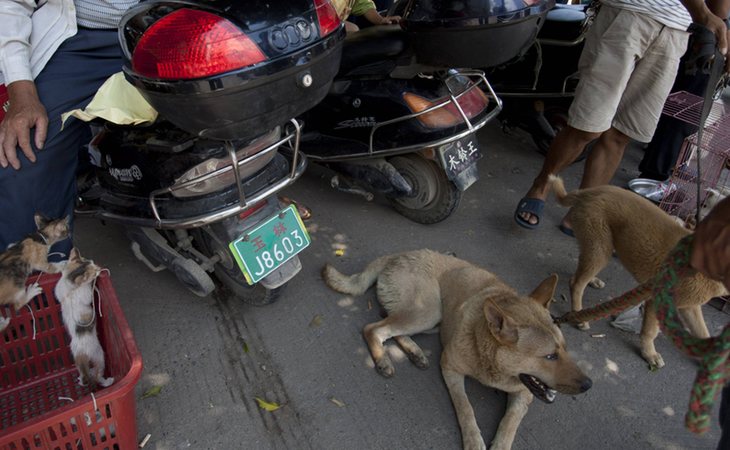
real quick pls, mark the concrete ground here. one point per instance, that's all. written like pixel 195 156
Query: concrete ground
pixel 214 356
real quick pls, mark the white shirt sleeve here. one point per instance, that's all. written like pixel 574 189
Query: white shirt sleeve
pixel 15 48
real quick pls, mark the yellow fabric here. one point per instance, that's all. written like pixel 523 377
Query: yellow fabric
pixel 116 101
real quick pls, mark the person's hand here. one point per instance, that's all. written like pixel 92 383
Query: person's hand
pixel 25 112
pixel 711 249
pixel 391 20
pixel 703 16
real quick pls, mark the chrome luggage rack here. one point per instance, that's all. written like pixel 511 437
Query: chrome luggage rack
pixel 476 76
pixel 297 161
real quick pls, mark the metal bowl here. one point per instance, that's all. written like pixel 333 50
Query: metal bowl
pixel 652 189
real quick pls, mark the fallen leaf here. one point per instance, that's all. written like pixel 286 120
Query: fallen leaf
pixel 245 347
pixel 337 402
pixel 339 252
pixel 316 321
pixel 154 391
pixel 268 406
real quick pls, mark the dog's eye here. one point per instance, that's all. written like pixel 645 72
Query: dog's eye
pixel 552 356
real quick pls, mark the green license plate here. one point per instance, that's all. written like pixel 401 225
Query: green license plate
pixel 264 248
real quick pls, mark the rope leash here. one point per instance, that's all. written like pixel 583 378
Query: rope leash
pixel 712 354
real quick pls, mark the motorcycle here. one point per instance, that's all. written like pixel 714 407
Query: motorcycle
pixel 197 189
pixel 401 117
pixel 539 86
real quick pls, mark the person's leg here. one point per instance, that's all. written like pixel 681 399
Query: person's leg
pixel 565 148
pixel 605 69
pixel 604 158
pixel 69 81
pixel 602 163
pixel 651 81
pixel 662 152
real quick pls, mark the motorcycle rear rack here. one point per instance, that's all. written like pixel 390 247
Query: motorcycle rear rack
pixel 475 75
pixel 298 162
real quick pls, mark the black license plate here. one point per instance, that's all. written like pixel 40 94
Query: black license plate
pixel 459 155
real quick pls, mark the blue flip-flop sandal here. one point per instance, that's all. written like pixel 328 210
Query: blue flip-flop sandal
pixel 533 206
pixel 566 230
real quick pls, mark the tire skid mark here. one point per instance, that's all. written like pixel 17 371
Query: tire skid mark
pixel 250 375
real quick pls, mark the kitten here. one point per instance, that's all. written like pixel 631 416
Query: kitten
pixel 75 292
pixel 21 259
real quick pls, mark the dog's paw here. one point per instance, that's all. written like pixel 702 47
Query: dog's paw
pixel 597 283
pixel 655 361
pixel 419 361
pixel 106 382
pixel 474 441
pixel 584 326
pixel 385 367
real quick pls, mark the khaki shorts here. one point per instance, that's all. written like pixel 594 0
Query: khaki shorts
pixel 627 69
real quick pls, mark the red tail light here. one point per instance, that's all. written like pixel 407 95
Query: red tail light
pixel 472 103
pixel 189 43
pixel 327 16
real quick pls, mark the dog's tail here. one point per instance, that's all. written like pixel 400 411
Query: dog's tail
pixel 555 184
pixel 355 284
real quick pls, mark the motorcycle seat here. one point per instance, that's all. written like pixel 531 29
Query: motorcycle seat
pixel 373 49
pixel 564 23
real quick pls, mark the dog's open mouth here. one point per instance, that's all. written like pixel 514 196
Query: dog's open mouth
pixel 538 388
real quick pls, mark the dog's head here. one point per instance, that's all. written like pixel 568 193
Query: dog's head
pixel 531 347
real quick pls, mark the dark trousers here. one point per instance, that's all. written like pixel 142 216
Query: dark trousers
pixel 69 81
pixel 693 75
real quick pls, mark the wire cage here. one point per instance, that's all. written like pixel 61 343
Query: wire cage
pixel 680 198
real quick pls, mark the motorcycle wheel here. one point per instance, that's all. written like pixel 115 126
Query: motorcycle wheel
pixel 233 279
pixel 435 196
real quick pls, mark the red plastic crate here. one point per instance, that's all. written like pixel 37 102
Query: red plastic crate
pixel 41 404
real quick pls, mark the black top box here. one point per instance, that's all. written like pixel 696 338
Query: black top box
pixel 232 70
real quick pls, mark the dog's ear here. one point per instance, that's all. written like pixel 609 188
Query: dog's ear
pixel 503 328
pixel 545 291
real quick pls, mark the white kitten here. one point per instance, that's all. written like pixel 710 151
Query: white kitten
pixel 75 292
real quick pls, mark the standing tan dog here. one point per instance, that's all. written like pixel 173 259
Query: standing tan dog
pixel 488 332
pixel 605 218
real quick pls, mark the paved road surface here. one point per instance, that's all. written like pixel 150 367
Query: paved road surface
pixel 306 349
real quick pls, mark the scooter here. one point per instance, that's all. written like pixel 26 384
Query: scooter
pixel 400 119
pixel 539 86
pixel 197 189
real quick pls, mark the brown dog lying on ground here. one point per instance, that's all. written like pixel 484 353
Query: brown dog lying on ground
pixel 608 218
pixel 488 332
